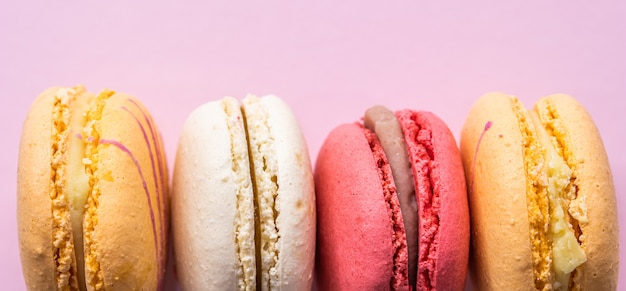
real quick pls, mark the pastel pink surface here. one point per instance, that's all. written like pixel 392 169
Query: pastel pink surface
pixel 355 233
pixel 329 61
pixel 442 201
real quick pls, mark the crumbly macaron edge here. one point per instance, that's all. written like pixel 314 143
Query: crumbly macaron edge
pixel 94 277
pixel 296 197
pixel 595 187
pixel 536 197
pixel 244 221
pixel 399 280
pixel 62 240
pixel 264 173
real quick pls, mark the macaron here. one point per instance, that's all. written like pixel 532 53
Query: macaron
pixel 542 199
pixel 392 208
pixel 243 201
pixel 92 193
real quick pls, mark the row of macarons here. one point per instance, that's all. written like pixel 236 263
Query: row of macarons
pixel 392 203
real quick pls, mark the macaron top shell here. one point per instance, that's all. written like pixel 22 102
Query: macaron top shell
pixel 132 174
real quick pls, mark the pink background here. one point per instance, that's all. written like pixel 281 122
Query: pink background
pixel 328 60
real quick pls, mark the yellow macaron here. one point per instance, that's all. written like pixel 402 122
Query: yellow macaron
pixel 92 197
pixel 542 200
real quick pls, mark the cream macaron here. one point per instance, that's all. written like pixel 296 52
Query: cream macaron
pixel 243 204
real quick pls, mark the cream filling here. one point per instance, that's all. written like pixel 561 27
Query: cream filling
pixel 566 250
pixel 71 180
pixel 77 186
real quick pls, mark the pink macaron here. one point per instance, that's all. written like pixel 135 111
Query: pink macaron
pixel 392 210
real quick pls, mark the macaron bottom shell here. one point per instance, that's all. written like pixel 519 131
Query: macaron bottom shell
pixel 355 237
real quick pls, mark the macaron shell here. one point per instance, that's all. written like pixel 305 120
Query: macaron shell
pixel 600 239
pixel 129 236
pixel 442 201
pixel 295 202
pixel 494 171
pixel 354 238
pixel 204 199
pixel 33 190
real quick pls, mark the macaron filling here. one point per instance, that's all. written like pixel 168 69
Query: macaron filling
pixel 567 209
pixel 385 125
pixel 556 250
pixel 73 164
pixel 77 183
